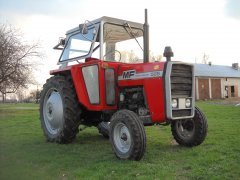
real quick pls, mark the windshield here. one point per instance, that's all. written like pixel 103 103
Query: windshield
pixel 122 43
pixel 79 45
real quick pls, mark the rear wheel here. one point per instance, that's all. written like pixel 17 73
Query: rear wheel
pixel 59 110
pixel 190 132
pixel 127 135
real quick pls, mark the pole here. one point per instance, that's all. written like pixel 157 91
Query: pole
pixel 146 38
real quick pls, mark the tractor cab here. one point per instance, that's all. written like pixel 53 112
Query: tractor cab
pixel 106 38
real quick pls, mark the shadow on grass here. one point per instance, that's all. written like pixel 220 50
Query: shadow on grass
pixel 91 147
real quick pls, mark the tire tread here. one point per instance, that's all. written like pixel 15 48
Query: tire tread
pixel 200 134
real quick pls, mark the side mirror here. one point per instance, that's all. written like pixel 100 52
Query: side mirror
pixel 83 28
pixel 62 41
pixel 61 44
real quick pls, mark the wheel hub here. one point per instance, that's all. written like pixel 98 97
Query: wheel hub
pixel 50 110
pixel 185 128
pixel 122 138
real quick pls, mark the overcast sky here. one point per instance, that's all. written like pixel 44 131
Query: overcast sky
pixel 191 27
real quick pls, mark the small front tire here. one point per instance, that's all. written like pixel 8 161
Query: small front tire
pixel 190 132
pixel 127 135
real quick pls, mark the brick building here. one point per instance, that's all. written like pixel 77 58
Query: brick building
pixel 217 82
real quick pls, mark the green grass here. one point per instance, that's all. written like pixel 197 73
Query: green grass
pixel 25 154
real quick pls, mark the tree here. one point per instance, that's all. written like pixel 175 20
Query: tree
pixel 129 56
pixel 15 56
pixel 154 58
pixel 205 58
pixel 34 96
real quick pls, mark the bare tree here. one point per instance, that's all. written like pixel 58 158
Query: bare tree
pixel 129 56
pixel 154 58
pixel 15 56
pixel 34 96
pixel 205 58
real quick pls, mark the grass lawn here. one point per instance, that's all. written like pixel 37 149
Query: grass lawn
pixel 25 154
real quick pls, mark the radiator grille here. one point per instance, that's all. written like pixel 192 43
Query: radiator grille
pixel 181 86
pixel 181 80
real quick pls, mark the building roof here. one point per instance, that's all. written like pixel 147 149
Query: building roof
pixel 206 70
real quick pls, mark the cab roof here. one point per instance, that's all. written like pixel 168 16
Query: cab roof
pixel 110 20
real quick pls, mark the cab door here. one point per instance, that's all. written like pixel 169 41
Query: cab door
pixel 95 84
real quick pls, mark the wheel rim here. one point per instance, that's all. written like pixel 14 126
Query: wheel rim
pixel 53 111
pixel 122 138
pixel 185 128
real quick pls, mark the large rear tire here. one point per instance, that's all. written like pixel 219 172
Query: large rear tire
pixel 190 132
pixel 59 110
pixel 127 135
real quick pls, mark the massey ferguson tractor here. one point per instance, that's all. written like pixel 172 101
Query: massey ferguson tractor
pixel 106 79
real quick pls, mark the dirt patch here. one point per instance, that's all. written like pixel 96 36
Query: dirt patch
pixel 228 101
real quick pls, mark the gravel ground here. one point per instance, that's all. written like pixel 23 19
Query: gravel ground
pixel 229 101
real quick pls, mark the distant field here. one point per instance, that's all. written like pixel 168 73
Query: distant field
pixel 25 154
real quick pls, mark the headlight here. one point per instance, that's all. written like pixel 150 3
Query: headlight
pixel 188 103
pixel 174 103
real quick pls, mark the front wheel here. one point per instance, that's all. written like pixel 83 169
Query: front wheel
pixel 127 135
pixel 190 132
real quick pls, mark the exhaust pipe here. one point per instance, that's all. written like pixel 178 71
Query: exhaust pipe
pixel 146 39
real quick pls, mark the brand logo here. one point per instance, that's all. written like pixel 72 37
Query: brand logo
pixel 131 74
pixel 128 74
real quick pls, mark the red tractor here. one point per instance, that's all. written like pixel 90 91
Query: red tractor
pixel 105 80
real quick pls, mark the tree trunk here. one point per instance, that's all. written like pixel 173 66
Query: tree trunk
pixel 3 97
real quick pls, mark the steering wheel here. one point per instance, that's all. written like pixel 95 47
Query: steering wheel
pixel 108 53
